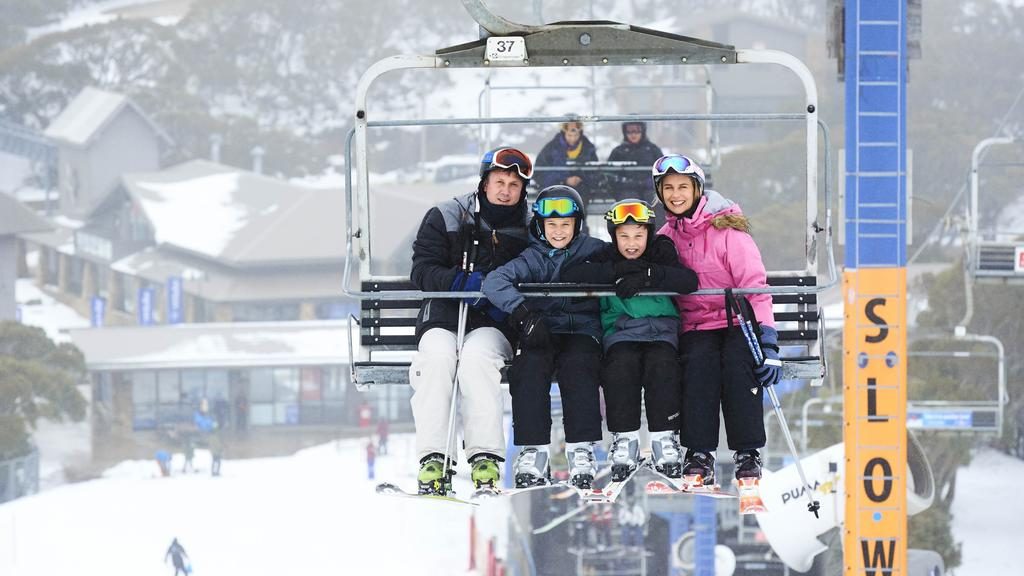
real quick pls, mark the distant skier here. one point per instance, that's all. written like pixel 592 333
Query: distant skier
pixel 190 452
pixel 216 453
pixel 371 458
pixel 179 557
pixel 382 436
pixel 163 459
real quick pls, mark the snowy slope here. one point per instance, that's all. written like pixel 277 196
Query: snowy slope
pixel 312 513
pixel 987 513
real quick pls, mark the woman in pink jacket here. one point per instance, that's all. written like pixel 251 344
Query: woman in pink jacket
pixel 712 238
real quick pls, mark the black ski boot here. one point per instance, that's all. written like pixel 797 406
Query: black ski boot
pixel 699 469
pixel 748 464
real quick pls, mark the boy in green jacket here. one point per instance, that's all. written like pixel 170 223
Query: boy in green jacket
pixel 641 336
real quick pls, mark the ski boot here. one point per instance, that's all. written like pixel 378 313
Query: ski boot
pixel 582 464
pixel 748 464
pixel 624 454
pixel 531 467
pixel 666 453
pixel 486 471
pixel 748 478
pixel 699 470
pixel 431 479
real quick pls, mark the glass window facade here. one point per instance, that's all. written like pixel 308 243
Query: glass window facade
pixel 239 398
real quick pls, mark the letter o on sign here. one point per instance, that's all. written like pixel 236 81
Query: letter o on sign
pixel 869 486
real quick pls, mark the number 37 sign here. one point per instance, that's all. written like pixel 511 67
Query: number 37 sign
pixel 506 50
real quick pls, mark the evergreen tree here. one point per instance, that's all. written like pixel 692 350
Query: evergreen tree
pixel 38 379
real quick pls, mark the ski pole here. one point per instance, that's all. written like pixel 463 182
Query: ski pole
pixel 813 505
pixel 468 263
pixel 459 339
pixel 755 350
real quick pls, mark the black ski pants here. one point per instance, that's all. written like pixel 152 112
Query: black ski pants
pixel 652 366
pixel 718 371
pixel 575 360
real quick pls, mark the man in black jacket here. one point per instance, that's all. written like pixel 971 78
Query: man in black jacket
pixel 458 243
pixel 638 149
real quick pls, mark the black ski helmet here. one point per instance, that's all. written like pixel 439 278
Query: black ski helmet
pixel 640 124
pixel 651 224
pixel 557 191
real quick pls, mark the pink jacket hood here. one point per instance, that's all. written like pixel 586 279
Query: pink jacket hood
pixel 716 244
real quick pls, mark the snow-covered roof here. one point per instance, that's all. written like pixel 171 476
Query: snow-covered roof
pixel 318 343
pixel 89 113
pixel 240 218
pixel 15 218
pixel 40 309
pixel 221 284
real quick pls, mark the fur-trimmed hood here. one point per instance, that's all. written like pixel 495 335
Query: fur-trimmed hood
pixel 713 209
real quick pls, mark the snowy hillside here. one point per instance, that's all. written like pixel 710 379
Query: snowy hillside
pixel 315 513
pixel 312 513
pixel 987 514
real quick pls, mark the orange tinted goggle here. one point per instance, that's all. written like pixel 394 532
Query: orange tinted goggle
pixel 640 213
pixel 509 158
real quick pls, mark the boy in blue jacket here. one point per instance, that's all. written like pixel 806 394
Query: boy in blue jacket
pixel 559 337
pixel 640 336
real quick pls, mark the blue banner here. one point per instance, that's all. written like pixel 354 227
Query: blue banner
pixel 145 307
pixel 175 313
pixel 98 311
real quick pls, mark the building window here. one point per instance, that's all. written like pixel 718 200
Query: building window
pixel 144 400
pixel 126 288
pixel 254 312
pixel 286 396
pixel 337 310
pixel 102 280
pixel 261 397
pixel 76 269
pixel 52 274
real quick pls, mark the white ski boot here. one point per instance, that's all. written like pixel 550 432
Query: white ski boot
pixel 582 464
pixel 624 454
pixel 531 467
pixel 667 454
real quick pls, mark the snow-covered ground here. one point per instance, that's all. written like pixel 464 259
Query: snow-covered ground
pixel 988 515
pixel 40 309
pixel 315 513
pixel 311 513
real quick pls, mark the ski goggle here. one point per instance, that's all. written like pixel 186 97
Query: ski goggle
pixel 640 213
pixel 676 163
pixel 561 206
pixel 507 159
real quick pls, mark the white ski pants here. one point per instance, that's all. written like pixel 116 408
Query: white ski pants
pixel 484 353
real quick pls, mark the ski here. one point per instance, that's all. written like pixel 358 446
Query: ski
pixel 750 496
pixel 668 485
pixel 388 489
pixel 610 491
pixel 489 492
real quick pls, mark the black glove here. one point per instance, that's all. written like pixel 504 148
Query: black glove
pixel 631 284
pixel 533 329
pixel 625 267
pixel 646 277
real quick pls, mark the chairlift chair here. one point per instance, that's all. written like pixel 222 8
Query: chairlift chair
pixel 991 260
pixel 382 352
